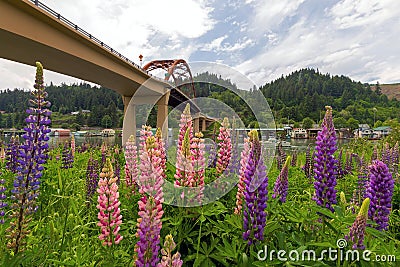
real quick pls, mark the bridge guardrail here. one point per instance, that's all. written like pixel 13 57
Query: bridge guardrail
pixel 90 36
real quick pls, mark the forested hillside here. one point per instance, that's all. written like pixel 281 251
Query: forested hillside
pixel 300 96
pixel 305 93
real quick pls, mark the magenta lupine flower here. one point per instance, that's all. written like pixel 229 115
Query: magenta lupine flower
pixel 225 147
pixel 255 194
pixel 3 196
pixel 357 230
pixel 131 159
pixel 109 215
pixel 169 260
pixel 243 164
pixel 32 156
pixel 325 163
pixel 150 206
pixel 12 154
pixel 380 191
pixel 282 183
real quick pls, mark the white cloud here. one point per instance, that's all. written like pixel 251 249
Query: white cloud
pixel 270 14
pixel 355 13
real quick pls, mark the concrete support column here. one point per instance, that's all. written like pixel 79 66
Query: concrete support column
pixel 162 114
pixel 196 124
pixel 203 124
pixel 129 119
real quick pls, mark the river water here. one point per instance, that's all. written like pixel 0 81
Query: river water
pixel 295 144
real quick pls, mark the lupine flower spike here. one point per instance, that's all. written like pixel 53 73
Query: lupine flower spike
pixel 255 194
pixel 3 196
pixel 92 178
pixel 131 165
pixel 169 260
pixel 282 183
pixel 380 191
pixel 109 215
pixel 73 146
pixel 243 164
pixel 150 208
pixel 357 230
pixel 225 147
pixel 12 154
pixel 325 164
pixel 32 156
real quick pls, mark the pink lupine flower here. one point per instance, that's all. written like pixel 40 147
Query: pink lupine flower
pixel 109 215
pixel 161 147
pixel 243 163
pixel 184 124
pixel 169 260
pixel 73 145
pixel 150 208
pixel 131 158
pixel 199 163
pixel 225 147
pixel 184 163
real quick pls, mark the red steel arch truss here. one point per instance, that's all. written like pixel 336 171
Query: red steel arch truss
pixel 180 72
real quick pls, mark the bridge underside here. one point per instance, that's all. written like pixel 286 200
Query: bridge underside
pixel 29 34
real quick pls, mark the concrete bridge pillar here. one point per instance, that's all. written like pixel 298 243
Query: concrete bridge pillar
pixel 162 114
pixel 129 119
pixel 196 123
pixel 203 124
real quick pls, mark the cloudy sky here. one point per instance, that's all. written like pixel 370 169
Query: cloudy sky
pixel 263 39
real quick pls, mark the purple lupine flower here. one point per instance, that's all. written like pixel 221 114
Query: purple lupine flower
pixel 293 163
pixel 12 154
pixel 380 191
pixel 325 163
pixel 281 156
pixel 362 179
pixel 349 163
pixel 67 158
pixel 3 196
pixel 282 183
pixel 92 178
pixel 255 194
pixel 32 156
pixel 357 230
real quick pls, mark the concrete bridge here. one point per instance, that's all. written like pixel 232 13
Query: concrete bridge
pixel 30 31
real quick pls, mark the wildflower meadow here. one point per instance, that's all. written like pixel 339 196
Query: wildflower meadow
pixel 130 206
